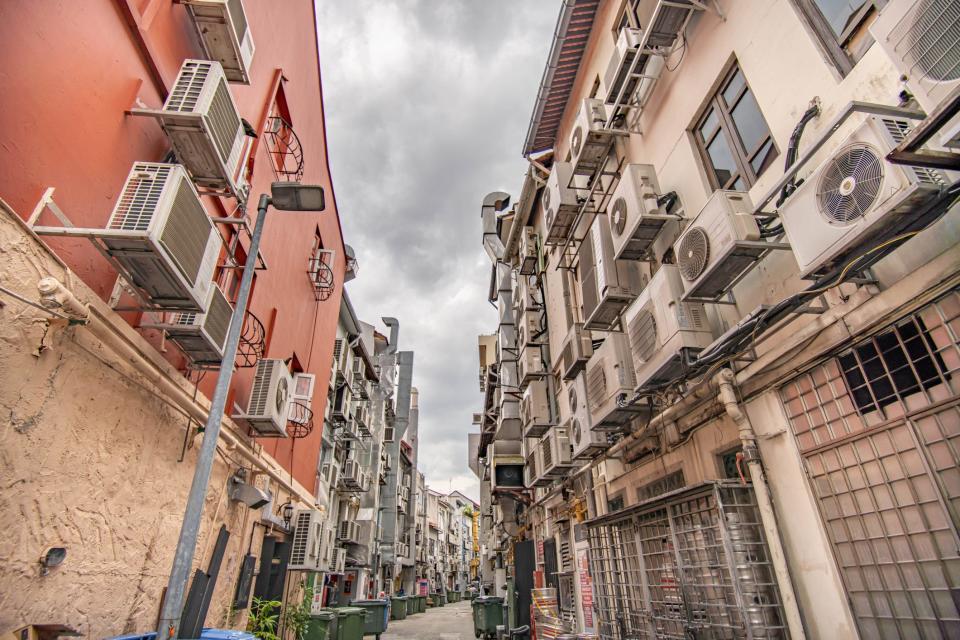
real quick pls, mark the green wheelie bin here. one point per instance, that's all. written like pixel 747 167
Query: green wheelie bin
pixel 375 618
pixel 398 607
pixel 350 621
pixel 322 626
pixel 487 614
pixel 421 604
pixel 411 605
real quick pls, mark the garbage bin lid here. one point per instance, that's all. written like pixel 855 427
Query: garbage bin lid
pixel 324 615
pixel 370 603
pixel 350 611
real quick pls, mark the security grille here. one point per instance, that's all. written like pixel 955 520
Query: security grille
pixel 693 563
pixel 882 457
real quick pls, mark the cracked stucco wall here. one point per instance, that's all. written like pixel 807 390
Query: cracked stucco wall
pixel 88 461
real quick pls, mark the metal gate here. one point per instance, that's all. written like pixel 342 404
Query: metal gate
pixel 879 432
pixel 693 563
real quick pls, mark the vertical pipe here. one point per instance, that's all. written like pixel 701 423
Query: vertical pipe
pixel 768 517
pixel 172 608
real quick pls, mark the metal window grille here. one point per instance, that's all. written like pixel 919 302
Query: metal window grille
pixel 887 481
pixel 693 563
pixel 660 486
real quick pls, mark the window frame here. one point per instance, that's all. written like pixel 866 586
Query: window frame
pixel 838 48
pixel 726 126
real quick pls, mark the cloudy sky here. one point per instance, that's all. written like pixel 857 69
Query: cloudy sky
pixel 427 105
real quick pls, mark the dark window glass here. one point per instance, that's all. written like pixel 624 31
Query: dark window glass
pixel 840 13
pixel 732 135
pixel 894 364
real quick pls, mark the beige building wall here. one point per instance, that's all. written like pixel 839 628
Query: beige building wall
pixel 89 462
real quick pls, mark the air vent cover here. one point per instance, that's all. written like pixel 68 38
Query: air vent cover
pixel 694 253
pixel 642 331
pixel 850 185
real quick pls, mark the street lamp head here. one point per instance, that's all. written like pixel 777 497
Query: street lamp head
pixel 293 196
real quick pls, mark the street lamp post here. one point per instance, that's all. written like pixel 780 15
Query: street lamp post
pixel 284 196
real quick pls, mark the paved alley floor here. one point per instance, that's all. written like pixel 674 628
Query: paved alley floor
pixel 451 622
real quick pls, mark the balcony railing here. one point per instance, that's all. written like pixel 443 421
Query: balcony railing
pixel 285 150
pixel 253 340
pixel 299 420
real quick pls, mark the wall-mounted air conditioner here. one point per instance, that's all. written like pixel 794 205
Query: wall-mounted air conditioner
pixel 530 365
pixel 529 252
pixel 351 476
pixel 535 410
pixel 560 204
pixel 506 462
pixel 635 217
pixel 577 349
pixel 529 332
pixel 225 35
pixel 855 198
pixel 204 127
pixel 339 560
pixel 202 336
pixel 269 398
pixel 341 409
pixel 307 538
pixel 556 452
pixel 349 531
pixel 719 246
pixel 664 331
pixel 526 295
pixel 160 238
pixel 589 140
pixel 607 285
pixel 610 374
pixel 531 470
pixel 330 472
pixel 640 84
pixel 586 442
pixel 922 37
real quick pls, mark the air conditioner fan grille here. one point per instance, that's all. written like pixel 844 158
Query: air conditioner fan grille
pixel 850 185
pixel 643 335
pixel 694 253
pixel 618 216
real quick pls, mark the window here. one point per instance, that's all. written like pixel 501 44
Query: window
pixel 728 464
pixel 892 365
pixel 732 135
pixel 660 486
pixel 840 26
pixel 615 503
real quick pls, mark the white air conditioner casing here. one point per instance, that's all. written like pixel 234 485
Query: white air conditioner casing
pixel 535 410
pixel 646 73
pixel 202 336
pixel 529 253
pixel 506 465
pixel 270 396
pixel 532 475
pixel 559 202
pixel 719 245
pixel 526 295
pixel 530 365
pixel 635 217
pixel 922 38
pixel 556 452
pixel 204 127
pixel 855 198
pixel 528 330
pixel 663 330
pixel 586 442
pixel 607 285
pixel 610 374
pixel 589 140
pixel 339 560
pixel 160 238
pixel 225 35
pixel 305 547
pixel 576 351
pixel 330 472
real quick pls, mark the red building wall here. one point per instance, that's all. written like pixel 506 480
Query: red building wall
pixel 70 70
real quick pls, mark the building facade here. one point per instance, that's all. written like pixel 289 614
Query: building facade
pixel 721 397
pixel 137 141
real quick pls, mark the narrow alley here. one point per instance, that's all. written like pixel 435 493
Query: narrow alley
pixel 451 622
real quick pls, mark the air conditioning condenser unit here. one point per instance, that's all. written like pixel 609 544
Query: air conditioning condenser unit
pixel 268 407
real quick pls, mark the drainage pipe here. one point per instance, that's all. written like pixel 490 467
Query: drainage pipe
pixel 54 295
pixel 728 398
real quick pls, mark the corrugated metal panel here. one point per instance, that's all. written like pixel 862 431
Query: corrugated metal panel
pixel 570 40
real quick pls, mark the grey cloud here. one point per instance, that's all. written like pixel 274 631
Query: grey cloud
pixel 427 103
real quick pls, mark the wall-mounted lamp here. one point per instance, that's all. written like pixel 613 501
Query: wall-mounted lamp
pixel 286 512
pixel 52 557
